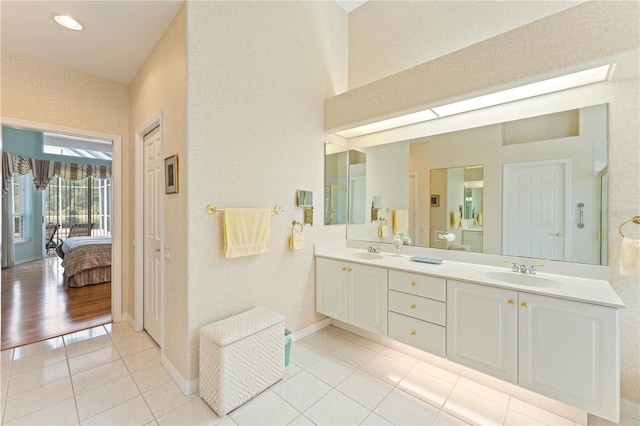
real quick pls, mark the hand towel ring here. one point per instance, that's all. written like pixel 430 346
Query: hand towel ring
pixel 635 219
pixel 293 225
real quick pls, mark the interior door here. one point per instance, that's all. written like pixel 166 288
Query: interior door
pixel 153 184
pixel 534 210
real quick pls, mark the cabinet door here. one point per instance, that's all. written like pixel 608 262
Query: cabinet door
pixel 368 298
pixel 482 327
pixel 332 288
pixel 569 351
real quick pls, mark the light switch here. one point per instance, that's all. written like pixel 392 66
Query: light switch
pixel 167 253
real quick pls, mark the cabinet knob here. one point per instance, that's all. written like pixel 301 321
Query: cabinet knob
pixel 524 305
pixel 348 269
pixel 344 269
pixel 413 333
pixel 413 284
pixel 413 306
pixel 510 302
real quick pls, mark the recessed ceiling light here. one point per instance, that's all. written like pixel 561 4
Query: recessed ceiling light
pixel 67 22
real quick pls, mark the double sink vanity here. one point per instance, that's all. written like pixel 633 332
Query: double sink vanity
pixel 554 334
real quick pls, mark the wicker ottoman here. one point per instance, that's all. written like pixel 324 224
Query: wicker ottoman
pixel 240 357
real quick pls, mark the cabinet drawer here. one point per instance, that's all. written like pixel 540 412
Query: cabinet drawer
pixel 418 307
pixel 420 285
pixel 417 333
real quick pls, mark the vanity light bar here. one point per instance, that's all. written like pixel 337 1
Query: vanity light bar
pixel 391 123
pixel 581 78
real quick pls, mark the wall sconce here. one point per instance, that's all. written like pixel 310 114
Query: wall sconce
pixel 305 200
pixel 376 205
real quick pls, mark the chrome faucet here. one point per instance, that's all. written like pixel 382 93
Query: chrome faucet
pixel 523 269
pixel 373 249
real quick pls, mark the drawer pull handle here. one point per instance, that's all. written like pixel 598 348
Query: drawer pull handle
pixel 413 284
pixel 524 305
pixel 413 306
pixel 413 333
pixel 510 302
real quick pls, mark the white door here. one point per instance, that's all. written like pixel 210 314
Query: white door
pixel 534 210
pixel 368 298
pixel 357 211
pixel 482 328
pixel 153 184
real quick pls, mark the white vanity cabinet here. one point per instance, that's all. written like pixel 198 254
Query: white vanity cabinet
pixel 562 349
pixel 569 351
pixel 417 311
pixel 352 293
pixel 482 328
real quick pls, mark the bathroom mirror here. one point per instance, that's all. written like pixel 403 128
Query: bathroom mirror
pixel 345 185
pixel 459 210
pixel 305 198
pixel 336 171
pixel 568 147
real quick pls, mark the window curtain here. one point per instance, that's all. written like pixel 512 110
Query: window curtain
pixel 45 170
pixel 7 249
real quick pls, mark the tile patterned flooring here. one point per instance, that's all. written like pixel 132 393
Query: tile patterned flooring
pixel 113 375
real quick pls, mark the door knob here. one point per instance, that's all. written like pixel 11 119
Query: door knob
pixel 157 250
pixel 556 234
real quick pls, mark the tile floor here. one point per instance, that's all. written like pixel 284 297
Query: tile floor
pixel 113 375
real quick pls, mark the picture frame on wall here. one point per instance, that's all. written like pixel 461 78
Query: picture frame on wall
pixel 171 174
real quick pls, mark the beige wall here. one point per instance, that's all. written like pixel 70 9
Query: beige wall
pixel 161 86
pixel 39 92
pixel 419 31
pixel 615 24
pixel 257 76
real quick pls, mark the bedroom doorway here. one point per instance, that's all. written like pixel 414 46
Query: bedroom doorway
pixel 110 295
pixel 149 168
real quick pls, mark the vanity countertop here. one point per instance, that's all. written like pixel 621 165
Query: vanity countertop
pixel 595 291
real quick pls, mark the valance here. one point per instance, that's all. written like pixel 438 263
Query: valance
pixel 45 170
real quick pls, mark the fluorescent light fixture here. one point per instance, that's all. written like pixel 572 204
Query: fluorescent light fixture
pixel 67 22
pixel 391 123
pixel 568 81
pixel 581 78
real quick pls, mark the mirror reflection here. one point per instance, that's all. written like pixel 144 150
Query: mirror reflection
pixel 345 185
pixel 456 207
pixel 535 173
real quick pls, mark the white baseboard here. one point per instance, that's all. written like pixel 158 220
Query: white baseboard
pixel 126 317
pixel 304 332
pixel 187 387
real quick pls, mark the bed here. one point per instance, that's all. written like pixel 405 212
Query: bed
pixel 86 260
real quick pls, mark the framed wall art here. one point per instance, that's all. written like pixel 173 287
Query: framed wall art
pixel 171 174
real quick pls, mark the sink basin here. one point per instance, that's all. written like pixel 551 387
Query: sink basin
pixel 521 279
pixel 367 255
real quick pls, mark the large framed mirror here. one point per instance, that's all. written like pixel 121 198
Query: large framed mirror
pixel 542 193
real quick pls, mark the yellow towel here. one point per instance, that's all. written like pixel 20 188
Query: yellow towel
pixel 382 230
pixel 296 240
pixel 630 257
pixel 452 219
pixel 246 231
pixel 400 221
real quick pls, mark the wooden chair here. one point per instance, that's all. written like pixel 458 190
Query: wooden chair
pixel 80 230
pixel 51 231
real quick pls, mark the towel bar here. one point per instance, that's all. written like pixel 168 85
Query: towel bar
pixel 635 219
pixel 212 209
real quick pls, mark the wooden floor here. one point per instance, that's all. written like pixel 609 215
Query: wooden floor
pixel 36 305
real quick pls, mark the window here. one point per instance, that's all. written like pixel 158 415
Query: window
pixel 22 207
pixel 70 202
